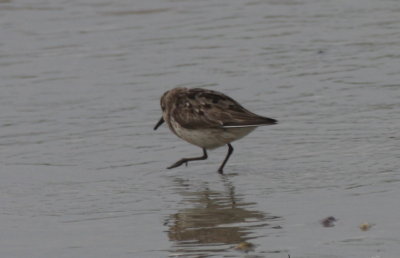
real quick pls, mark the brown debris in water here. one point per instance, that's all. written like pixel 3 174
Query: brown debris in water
pixel 328 222
pixel 365 226
pixel 245 247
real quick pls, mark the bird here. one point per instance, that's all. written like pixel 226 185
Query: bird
pixel 208 119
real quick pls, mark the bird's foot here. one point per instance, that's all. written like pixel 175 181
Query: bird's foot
pixel 178 163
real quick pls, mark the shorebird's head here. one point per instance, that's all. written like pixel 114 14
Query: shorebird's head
pixel 163 101
pixel 169 98
pixel 166 102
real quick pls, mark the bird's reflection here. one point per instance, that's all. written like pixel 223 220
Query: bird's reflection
pixel 213 220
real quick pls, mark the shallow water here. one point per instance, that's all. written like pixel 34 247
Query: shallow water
pixel 83 173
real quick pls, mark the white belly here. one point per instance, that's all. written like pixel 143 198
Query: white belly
pixel 211 138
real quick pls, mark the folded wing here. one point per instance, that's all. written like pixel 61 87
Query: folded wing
pixel 199 108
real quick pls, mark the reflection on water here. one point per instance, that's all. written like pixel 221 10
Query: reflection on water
pixel 213 220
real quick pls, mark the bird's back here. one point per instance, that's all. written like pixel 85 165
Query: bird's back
pixel 199 109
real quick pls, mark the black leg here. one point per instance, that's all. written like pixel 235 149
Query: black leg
pixel 186 160
pixel 230 150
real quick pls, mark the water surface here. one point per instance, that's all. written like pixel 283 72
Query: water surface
pixel 83 173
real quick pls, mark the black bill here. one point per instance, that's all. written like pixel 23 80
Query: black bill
pixel 159 123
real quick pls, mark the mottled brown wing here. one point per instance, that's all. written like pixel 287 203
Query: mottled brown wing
pixel 199 108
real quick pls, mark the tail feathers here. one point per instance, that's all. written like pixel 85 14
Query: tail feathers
pixel 261 121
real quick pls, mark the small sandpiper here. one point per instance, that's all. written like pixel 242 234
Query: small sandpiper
pixel 208 119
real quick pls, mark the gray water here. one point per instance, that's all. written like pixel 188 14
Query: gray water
pixel 83 173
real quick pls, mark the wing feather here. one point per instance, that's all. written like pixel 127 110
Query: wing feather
pixel 199 108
